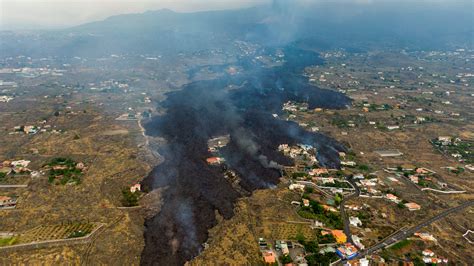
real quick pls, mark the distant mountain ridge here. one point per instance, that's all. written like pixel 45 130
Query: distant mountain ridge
pixel 359 27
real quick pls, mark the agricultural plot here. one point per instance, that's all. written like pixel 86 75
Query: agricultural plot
pixel 56 232
pixel 290 231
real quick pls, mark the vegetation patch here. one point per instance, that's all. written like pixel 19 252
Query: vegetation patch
pixel 401 244
pixel 316 211
pixel 80 233
pixel 130 199
pixel 64 171
pixel 8 241
pixel 321 259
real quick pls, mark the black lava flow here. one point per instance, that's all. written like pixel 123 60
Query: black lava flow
pixel 242 106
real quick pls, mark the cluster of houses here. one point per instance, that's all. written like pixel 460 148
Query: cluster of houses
pixel 303 152
pixel 216 143
pixel 32 72
pixel 20 166
pixel 425 177
pixel 30 130
pixel 447 140
pixel 213 146
pixel 4 84
pixel 108 85
pixel 420 176
pixel 33 129
pixel 369 185
pixel 294 107
pixel 429 257
pixel 452 146
pixel 411 206
pixel 5 98
pixel 7 202
pixel 282 248
pixel 344 249
pixel 321 177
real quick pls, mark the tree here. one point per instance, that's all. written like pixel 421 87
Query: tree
pixel 311 246
pixel 129 198
pixel 338 198
pixel 363 167
pixel 300 238
pixel 285 259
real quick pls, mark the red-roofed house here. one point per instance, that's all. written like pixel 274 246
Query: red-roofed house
pixel 269 257
pixel 214 160
pixel 412 206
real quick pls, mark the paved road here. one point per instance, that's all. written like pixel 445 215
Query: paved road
pixel 344 216
pixel 313 185
pixel 406 232
pixel 14 186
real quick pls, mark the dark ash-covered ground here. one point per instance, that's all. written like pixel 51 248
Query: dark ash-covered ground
pixel 205 109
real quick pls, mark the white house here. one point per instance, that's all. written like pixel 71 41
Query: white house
pixel 355 221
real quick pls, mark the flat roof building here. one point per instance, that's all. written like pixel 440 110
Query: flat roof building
pixel 389 153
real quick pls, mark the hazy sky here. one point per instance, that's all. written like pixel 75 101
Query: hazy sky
pixel 44 14
pixel 38 14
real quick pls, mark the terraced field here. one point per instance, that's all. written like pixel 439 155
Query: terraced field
pixel 55 232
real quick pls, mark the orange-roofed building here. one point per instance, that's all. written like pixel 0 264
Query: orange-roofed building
pixel 392 197
pixel 339 236
pixel 412 206
pixel 415 179
pixel 213 160
pixel 318 171
pixel 329 208
pixel 269 257
pixel 422 171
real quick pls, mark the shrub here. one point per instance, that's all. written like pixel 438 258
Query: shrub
pixel 129 198
pixel 8 241
pixel 285 259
